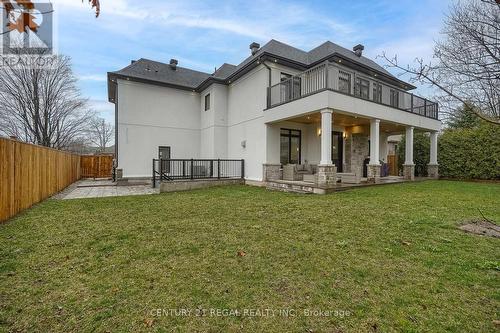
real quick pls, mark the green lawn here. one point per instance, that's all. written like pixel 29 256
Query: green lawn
pixel 385 259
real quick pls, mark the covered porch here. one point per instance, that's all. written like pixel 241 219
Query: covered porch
pixel 333 149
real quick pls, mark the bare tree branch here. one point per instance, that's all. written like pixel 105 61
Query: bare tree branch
pixel 100 134
pixel 466 68
pixel 42 105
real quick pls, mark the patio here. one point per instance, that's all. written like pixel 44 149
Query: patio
pixel 298 186
pixel 98 188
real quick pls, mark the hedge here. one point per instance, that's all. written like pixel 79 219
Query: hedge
pixel 470 153
pixel 463 153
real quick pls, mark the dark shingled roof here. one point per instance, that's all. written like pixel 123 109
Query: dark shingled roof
pixel 224 71
pixel 327 48
pixel 162 73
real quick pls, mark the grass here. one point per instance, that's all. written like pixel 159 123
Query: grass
pixel 384 259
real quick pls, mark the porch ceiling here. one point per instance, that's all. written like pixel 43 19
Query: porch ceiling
pixel 344 120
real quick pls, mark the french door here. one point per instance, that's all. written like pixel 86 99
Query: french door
pixel 290 146
pixel 338 150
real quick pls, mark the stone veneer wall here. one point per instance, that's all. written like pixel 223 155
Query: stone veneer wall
pixel 356 150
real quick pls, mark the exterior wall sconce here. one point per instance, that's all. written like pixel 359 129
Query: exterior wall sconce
pixel 319 131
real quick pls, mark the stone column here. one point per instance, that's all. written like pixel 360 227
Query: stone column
pixel 327 172
pixel 432 167
pixel 409 166
pixel 271 171
pixel 374 165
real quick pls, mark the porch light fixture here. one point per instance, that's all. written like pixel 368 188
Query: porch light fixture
pixel 319 131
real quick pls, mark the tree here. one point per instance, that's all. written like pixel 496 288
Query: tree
pixel 467 60
pixel 464 117
pixel 100 133
pixel 42 105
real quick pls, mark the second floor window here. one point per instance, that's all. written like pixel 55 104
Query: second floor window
pixel 344 82
pixel 377 92
pixel 394 98
pixel 362 88
pixel 207 102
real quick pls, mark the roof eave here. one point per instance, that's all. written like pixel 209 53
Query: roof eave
pixel 115 75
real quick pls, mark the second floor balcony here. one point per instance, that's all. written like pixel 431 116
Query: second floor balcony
pixel 329 76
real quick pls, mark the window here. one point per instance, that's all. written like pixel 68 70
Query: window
pixel 377 92
pixel 344 82
pixel 207 102
pixel 362 88
pixel 394 98
pixel 290 142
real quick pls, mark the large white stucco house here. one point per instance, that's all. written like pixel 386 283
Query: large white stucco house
pixel 330 107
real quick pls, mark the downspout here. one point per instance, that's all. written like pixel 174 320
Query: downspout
pixel 268 102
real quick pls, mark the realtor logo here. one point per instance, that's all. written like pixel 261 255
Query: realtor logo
pixel 26 27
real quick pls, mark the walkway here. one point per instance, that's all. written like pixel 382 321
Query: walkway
pixel 89 188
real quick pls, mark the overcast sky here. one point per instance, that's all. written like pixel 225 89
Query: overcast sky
pixel 204 34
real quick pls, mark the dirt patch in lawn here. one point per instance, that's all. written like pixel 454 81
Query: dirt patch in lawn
pixel 481 227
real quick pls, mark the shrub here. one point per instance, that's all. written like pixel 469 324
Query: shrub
pixel 421 153
pixel 470 153
pixel 464 153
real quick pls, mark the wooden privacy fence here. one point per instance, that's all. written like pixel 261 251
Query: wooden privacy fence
pixel 30 173
pixel 97 166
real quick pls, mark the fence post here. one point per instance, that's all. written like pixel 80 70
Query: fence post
pixel 211 168
pixel 192 169
pixel 425 107
pixel 218 168
pixel 242 169
pixel 154 176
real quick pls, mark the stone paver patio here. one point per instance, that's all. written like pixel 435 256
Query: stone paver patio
pixel 89 188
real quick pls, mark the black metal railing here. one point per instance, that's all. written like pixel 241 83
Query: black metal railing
pixel 328 76
pixel 175 169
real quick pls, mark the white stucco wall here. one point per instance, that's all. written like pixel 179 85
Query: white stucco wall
pixel 246 102
pixel 150 116
pixel 213 131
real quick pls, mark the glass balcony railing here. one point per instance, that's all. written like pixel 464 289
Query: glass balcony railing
pixel 328 76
